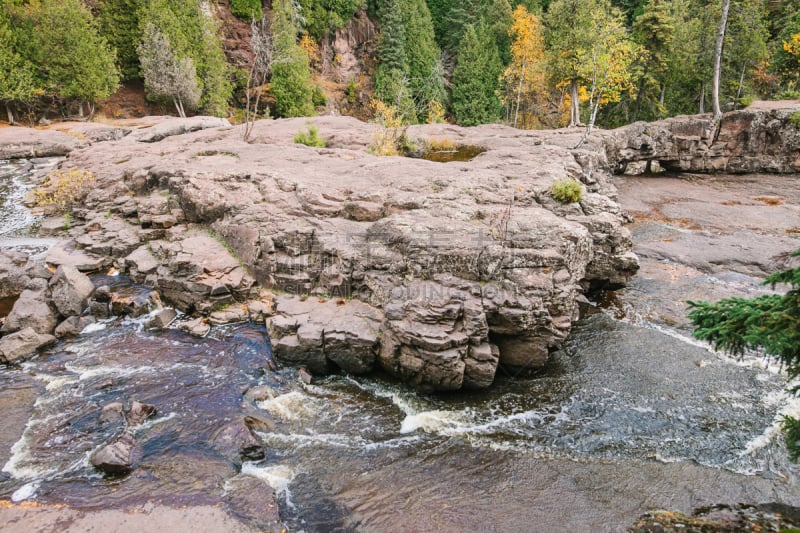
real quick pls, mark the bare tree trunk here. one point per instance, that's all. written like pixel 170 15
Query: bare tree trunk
pixel 519 92
pixel 739 88
pixel 10 115
pixel 702 108
pixel 179 107
pixel 723 22
pixel 575 110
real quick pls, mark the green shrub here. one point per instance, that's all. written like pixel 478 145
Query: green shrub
pixel 310 138
pixel 352 91
pixel 788 94
pixel 246 10
pixel 318 96
pixel 566 191
pixel 794 118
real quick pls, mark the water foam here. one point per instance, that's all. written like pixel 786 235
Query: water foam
pixel 279 477
pixel 290 407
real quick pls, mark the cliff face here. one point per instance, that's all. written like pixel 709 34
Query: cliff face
pixel 765 137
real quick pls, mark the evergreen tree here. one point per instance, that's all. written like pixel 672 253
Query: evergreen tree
pixel 654 30
pixel 119 22
pixel 770 323
pixel 426 80
pixel 17 75
pixel 291 78
pixel 193 34
pixel 74 62
pixel 476 78
pixel 167 77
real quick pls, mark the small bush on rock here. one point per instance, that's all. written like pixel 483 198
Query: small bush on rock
pixel 566 191
pixel 63 189
pixel 794 118
pixel 310 138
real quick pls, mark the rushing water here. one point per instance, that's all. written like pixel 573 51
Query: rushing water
pixel 630 414
pixel 17 178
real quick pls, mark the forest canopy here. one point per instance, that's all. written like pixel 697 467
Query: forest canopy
pixel 530 63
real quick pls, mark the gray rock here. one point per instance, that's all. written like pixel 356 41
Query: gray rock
pixel 139 413
pixel 162 318
pixel 32 309
pixel 230 315
pixel 112 413
pixel 17 143
pixel 73 326
pixel 67 253
pixel 23 344
pixel 119 457
pixel 134 303
pixel 197 327
pixel 70 290
pixel 237 443
pixel 254 502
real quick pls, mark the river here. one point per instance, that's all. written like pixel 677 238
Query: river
pixel 632 414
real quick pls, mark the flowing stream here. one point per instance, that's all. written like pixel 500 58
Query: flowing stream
pixel 631 414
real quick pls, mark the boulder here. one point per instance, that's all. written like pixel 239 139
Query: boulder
pixel 139 413
pixel 134 302
pixel 73 326
pixel 70 290
pixel 119 457
pixel 32 310
pixel 161 319
pixel 198 327
pixel 23 344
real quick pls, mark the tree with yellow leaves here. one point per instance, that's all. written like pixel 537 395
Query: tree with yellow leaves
pixel 524 81
pixel 606 65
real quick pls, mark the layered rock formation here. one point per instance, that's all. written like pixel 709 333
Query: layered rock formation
pixel 765 137
pixel 437 273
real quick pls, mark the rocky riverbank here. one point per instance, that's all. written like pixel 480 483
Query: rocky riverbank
pixel 438 273
pixel 434 272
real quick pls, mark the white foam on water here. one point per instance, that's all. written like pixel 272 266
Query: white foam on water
pixel 439 422
pixel 279 477
pixel 301 440
pixel 100 325
pixel 790 407
pixel 26 492
pixel 290 407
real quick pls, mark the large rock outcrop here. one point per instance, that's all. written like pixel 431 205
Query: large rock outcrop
pixel 764 137
pixel 437 273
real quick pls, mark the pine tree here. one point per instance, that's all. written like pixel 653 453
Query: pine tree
pixel 193 34
pixel 167 77
pixel 17 75
pixel 75 62
pixel 119 22
pixel 426 80
pixel 291 77
pixel 770 323
pixel 476 78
